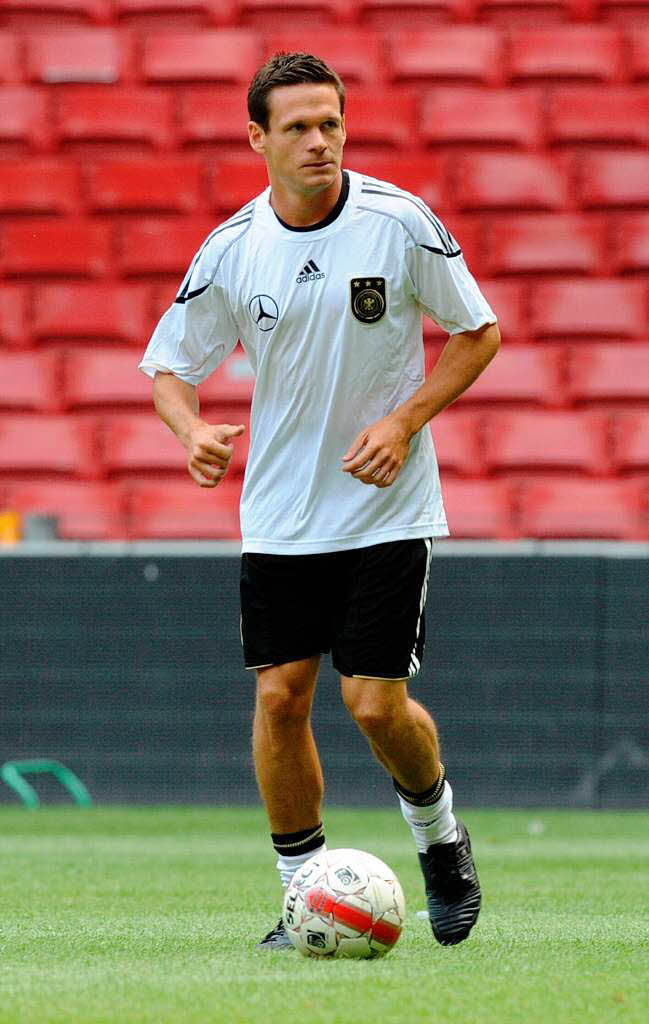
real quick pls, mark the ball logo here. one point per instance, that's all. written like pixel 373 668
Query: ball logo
pixel 368 298
pixel 264 312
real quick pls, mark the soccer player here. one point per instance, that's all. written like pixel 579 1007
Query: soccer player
pixel 324 278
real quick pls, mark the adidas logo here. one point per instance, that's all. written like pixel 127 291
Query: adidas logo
pixel 310 272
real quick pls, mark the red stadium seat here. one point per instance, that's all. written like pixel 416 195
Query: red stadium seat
pixel 183 510
pixel 357 57
pixel 624 12
pixel 592 114
pixel 13 315
pixel 609 372
pixel 538 12
pixel 632 441
pixel 143 444
pixel 9 58
pixel 235 181
pixel 546 440
pixel 24 116
pixel 422 175
pixel 465 115
pixel 209 56
pixel 26 13
pixel 520 373
pixel 213 115
pixel 394 127
pixel 216 12
pixel 508 299
pixel 479 509
pixel 456 442
pixel 412 14
pixel 38 186
pixel 173 183
pixel 84 55
pixel 592 52
pixel 562 508
pixel 31 381
pixel 105 378
pixel 305 14
pixel 62 246
pixel 509 181
pixel 97 312
pixel 546 244
pixel 633 242
pixel 84 511
pixel 638 42
pixel 470 53
pixel 113 113
pixel 156 246
pixel 43 444
pixel 614 179
pixel 232 382
pixel 605 307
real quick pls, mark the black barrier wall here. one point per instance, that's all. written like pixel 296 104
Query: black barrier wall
pixel 129 670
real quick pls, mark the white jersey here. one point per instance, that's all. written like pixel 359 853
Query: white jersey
pixel 331 320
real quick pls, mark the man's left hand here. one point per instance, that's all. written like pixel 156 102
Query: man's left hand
pixel 377 454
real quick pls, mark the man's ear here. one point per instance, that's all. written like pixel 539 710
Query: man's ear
pixel 256 137
pixel 344 128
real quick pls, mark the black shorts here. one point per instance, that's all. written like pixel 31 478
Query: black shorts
pixel 366 606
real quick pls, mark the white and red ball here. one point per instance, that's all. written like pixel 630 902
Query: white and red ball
pixel 344 903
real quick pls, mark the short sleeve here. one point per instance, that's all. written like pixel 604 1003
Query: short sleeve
pixel 198 331
pixel 442 284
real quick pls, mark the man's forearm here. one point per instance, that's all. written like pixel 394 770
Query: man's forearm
pixel 176 403
pixel 462 360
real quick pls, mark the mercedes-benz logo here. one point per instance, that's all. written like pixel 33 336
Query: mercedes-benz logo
pixel 264 312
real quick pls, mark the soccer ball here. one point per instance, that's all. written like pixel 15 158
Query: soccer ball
pixel 344 903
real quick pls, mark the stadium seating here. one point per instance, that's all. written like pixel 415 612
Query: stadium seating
pixel 91 11
pixel 9 58
pixel 600 308
pixel 614 179
pixel 538 12
pixel 155 246
pixel 515 181
pixel 463 53
pixel 307 14
pixel 546 244
pixel 217 12
pixel 157 184
pixel 560 508
pixel 546 440
pixel 211 55
pixel 75 247
pixel 13 315
pixel 478 509
pixel 114 113
pixel 38 186
pixel 23 116
pixel 46 444
pixel 508 299
pixel 456 442
pixel 394 127
pixel 233 181
pixel 357 57
pixel 30 381
pixel 609 372
pixel 83 510
pixel 639 54
pixel 233 382
pixel 385 14
pixel 521 373
pixel 472 116
pixel 183 510
pixel 108 378
pixel 586 114
pixel 422 175
pixel 633 242
pixel 82 55
pixel 632 442
pixel 570 52
pixel 91 311
pixel 213 115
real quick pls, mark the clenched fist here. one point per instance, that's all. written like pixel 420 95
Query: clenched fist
pixel 209 452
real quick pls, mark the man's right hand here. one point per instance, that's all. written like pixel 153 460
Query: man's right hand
pixel 209 452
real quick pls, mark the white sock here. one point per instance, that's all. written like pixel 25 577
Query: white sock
pixel 287 866
pixel 432 824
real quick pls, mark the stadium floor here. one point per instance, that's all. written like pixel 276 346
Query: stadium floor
pixel 150 915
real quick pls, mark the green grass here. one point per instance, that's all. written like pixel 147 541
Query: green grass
pixel 150 915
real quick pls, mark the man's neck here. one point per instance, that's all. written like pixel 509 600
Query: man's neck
pixel 301 211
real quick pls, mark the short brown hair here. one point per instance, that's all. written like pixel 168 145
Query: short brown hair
pixel 288 69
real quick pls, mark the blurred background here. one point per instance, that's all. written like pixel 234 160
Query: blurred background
pixel 525 125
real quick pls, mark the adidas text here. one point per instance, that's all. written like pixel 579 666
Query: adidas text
pixel 310 272
pixel 303 278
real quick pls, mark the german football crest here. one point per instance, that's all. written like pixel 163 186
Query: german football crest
pixel 368 298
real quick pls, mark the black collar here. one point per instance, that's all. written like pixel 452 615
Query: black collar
pixel 331 216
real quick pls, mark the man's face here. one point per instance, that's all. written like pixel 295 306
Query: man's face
pixel 306 134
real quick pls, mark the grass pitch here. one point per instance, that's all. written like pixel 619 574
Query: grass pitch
pixel 150 916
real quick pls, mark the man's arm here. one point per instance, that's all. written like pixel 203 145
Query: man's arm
pixel 377 454
pixel 208 451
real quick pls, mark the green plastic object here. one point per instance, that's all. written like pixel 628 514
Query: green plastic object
pixel 12 773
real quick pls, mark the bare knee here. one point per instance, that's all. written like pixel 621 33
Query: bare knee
pixel 284 696
pixel 375 718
